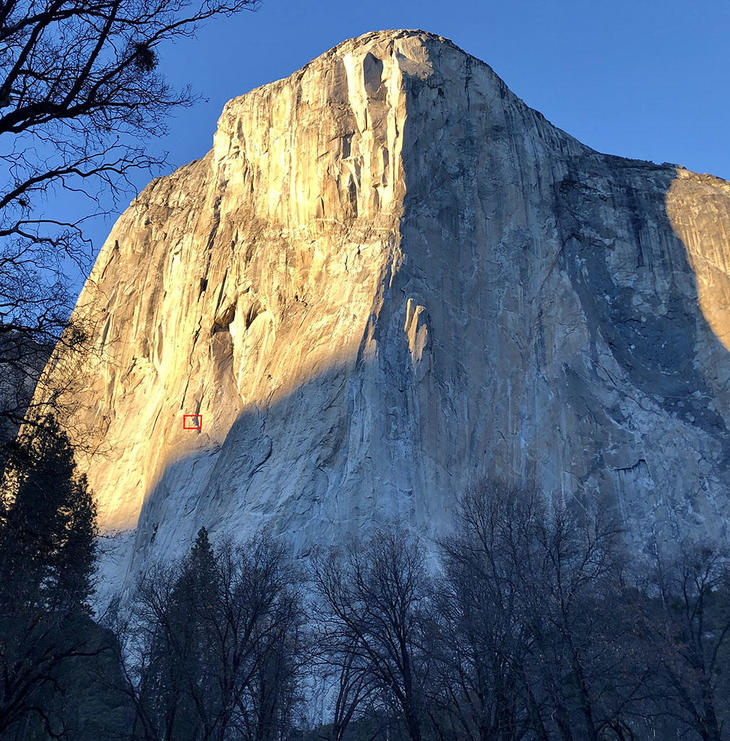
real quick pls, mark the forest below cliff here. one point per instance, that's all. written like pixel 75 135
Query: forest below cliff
pixel 532 620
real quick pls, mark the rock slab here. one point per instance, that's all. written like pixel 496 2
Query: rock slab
pixel 389 278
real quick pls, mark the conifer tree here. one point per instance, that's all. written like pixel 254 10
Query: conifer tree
pixel 48 527
pixel 178 693
pixel 47 555
pixel 217 644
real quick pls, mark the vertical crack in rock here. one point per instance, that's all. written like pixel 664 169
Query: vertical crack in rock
pixel 391 277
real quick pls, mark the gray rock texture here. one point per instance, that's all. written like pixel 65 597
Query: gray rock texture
pixel 388 278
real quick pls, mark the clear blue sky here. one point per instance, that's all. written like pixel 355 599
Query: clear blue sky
pixel 640 78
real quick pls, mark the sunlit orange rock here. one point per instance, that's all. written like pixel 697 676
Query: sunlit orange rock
pixel 388 278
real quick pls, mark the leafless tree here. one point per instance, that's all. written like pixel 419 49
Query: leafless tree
pixel 373 602
pixel 581 639
pixel 483 636
pixel 24 360
pixel 80 93
pixel 216 645
pixel 684 619
pixel 536 641
pixel 345 680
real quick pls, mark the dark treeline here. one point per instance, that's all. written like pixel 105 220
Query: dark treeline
pixel 215 646
pixel 533 624
pixel 530 621
pixel 59 673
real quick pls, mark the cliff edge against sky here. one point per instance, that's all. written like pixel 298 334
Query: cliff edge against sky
pixel 389 278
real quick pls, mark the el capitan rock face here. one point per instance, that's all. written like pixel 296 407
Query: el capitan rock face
pixel 389 278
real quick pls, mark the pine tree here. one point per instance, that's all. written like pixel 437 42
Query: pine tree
pixel 199 574
pixel 179 692
pixel 48 526
pixel 194 605
pixel 48 643
pixel 221 644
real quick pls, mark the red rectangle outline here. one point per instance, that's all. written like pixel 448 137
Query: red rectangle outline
pixel 200 416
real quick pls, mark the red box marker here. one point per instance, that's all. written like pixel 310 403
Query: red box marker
pixel 196 422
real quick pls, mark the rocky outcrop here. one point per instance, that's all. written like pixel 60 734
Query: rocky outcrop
pixel 389 278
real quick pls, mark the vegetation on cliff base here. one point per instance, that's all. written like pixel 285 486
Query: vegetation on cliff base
pixel 529 622
pixel 52 655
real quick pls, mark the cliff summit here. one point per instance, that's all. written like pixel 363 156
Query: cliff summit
pixel 389 278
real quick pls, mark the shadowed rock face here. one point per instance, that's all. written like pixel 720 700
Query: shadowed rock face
pixel 389 278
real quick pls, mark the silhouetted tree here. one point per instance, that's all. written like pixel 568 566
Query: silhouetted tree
pixel 216 645
pixel 684 621
pixel 535 631
pixel 47 553
pixel 179 607
pixel 579 667
pixel 48 531
pixel 373 602
pixel 483 637
pixel 24 361
pixel 355 686
pixel 80 92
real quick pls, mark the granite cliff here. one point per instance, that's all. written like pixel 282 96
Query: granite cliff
pixel 388 278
